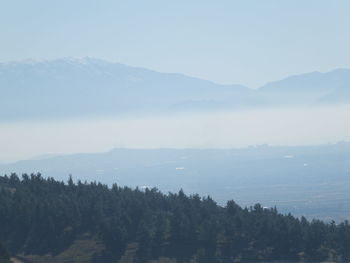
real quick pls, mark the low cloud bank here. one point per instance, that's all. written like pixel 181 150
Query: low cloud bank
pixel 211 130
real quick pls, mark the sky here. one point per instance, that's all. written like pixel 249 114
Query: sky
pixel 249 42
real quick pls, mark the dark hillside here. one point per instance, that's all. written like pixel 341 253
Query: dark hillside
pixel 43 220
pixel 4 255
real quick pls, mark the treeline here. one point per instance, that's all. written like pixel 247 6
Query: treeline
pixel 4 255
pixel 40 216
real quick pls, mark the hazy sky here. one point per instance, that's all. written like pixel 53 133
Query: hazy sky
pixel 249 41
pixel 215 130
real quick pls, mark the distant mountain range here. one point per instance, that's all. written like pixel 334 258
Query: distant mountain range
pixel 92 87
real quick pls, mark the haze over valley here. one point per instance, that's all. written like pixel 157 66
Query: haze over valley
pixel 90 105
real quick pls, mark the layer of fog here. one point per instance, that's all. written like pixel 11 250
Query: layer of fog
pixel 211 130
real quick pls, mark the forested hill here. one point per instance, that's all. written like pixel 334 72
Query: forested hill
pixel 44 220
pixel 4 256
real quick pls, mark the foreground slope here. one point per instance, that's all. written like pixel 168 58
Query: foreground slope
pixel 43 220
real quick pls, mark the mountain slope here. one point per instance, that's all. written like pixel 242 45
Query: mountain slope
pixel 313 88
pixel 70 87
pixel 91 87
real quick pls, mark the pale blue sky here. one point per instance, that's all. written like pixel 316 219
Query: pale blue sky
pixel 249 42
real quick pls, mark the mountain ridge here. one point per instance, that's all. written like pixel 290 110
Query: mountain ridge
pixel 93 87
pixel 91 60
